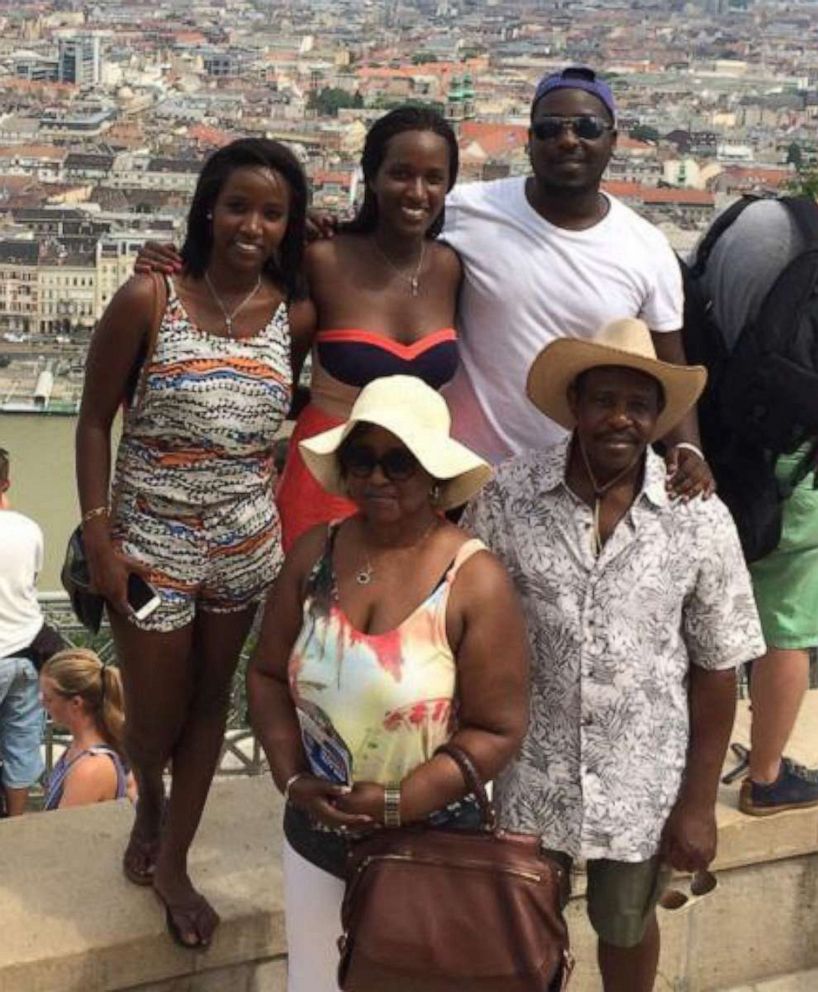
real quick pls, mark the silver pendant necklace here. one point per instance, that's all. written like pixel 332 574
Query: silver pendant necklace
pixel 229 317
pixel 366 573
pixel 599 494
pixel 414 279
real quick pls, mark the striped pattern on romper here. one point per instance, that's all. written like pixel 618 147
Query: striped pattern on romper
pixel 211 409
pixel 194 475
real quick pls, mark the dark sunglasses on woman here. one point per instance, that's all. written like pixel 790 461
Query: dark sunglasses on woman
pixel 586 126
pixel 397 464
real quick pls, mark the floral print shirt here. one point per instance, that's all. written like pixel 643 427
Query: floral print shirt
pixel 612 638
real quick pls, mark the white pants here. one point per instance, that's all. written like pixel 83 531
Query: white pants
pixel 312 904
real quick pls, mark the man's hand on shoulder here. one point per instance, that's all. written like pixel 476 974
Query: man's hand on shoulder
pixel 688 474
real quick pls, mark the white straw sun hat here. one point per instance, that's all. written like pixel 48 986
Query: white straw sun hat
pixel 419 418
pixel 626 342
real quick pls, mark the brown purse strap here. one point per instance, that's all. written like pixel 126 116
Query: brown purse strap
pixel 471 776
pixel 160 297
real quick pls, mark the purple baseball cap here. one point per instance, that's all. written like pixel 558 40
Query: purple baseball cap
pixel 576 77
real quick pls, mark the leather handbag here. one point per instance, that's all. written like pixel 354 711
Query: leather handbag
pixel 76 579
pixel 447 910
pixel 75 575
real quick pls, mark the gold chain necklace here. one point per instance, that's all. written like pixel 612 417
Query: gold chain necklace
pixel 413 280
pixel 366 574
pixel 229 317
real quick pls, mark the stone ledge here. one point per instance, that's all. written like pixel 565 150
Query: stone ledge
pixel 746 840
pixel 70 922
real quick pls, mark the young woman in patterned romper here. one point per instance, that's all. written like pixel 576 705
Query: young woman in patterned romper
pixel 192 508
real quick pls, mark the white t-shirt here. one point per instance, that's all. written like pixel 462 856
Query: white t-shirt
pixel 21 559
pixel 528 283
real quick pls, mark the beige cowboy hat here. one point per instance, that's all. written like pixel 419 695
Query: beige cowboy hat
pixel 626 342
pixel 419 417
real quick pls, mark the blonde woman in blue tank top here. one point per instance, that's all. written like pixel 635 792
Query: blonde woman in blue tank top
pixel 191 505
pixel 392 632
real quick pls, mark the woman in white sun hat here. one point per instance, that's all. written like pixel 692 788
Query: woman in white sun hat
pixel 386 636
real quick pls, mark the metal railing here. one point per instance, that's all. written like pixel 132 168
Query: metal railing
pixel 241 753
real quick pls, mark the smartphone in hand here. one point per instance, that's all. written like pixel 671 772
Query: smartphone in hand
pixel 143 599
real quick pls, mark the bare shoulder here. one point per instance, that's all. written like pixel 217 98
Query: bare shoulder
pixel 446 259
pixel 128 316
pixel 305 552
pixel 94 770
pixel 482 579
pixel 326 253
pixel 139 291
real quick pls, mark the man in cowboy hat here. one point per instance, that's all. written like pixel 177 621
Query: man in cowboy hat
pixel 639 609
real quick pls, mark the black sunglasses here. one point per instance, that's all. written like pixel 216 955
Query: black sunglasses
pixel 397 464
pixel 586 126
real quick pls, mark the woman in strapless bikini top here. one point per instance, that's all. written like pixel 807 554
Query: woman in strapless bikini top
pixel 384 292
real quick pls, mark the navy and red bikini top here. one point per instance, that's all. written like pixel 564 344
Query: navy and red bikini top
pixel 356 357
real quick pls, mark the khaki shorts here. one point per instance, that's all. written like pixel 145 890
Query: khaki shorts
pixel 621 896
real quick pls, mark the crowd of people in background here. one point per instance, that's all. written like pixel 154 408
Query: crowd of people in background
pixel 496 526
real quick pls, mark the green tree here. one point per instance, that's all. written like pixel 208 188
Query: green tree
pixel 794 155
pixel 805 184
pixel 644 132
pixel 328 101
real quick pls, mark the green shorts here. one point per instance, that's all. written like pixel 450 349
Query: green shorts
pixel 785 581
pixel 621 896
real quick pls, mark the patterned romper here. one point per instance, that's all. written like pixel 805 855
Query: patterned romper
pixel 193 487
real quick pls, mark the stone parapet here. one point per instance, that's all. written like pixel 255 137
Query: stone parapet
pixel 70 922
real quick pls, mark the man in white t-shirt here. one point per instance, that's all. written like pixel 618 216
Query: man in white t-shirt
pixel 550 256
pixel 21 716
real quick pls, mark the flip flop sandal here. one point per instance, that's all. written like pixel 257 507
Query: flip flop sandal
pixel 184 919
pixel 139 860
pixel 140 856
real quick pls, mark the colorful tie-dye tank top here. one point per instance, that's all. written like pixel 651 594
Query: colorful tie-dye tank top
pixel 210 411
pixel 389 696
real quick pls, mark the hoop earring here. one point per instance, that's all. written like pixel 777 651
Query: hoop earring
pixel 434 493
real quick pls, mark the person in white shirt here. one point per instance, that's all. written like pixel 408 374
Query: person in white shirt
pixel 550 256
pixel 21 716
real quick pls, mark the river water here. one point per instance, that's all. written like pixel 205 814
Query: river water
pixel 42 481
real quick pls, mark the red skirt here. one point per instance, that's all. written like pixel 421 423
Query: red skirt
pixel 302 503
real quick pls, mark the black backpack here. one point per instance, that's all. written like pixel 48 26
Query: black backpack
pixel 761 399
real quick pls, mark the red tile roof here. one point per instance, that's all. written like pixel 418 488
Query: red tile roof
pixel 658 194
pixel 494 139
